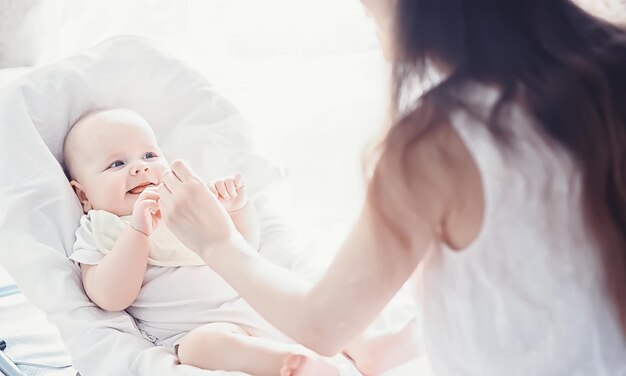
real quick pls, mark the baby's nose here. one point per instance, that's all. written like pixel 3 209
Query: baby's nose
pixel 139 169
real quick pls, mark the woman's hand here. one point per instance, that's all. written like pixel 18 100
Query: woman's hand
pixel 192 212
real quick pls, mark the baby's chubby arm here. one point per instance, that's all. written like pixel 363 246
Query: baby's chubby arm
pixel 232 194
pixel 115 282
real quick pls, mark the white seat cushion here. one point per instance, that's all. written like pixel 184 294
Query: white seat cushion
pixel 39 212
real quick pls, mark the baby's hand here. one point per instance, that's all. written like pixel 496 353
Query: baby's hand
pixel 146 214
pixel 230 192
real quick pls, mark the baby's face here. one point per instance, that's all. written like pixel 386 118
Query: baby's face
pixel 114 157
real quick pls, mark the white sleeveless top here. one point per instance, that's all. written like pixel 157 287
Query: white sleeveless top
pixel 526 297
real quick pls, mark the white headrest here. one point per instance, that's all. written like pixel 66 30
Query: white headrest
pixel 39 213
pixel 191 119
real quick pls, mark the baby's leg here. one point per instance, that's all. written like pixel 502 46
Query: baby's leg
pixel 226 346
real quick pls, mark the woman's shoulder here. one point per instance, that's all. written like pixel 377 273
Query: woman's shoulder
pixel 439 173
pixel 427 143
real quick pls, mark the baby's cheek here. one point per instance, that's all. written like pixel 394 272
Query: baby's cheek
pixel 123 205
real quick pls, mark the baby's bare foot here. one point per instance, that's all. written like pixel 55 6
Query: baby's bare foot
pixel 308 365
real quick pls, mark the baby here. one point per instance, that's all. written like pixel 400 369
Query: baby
pixel 130 261
pixel 113 162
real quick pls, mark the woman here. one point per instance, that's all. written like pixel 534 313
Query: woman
pixel 512 164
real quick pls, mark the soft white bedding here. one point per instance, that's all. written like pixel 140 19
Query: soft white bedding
pixel 8 75
pixel 38 212
pixel 31 338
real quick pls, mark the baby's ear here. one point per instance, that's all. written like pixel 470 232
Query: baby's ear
pixel 82 196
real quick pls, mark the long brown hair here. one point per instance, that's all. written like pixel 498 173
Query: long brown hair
pixel 567 67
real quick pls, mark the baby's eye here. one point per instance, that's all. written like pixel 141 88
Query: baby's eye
pixel 116 164
pixel 149 155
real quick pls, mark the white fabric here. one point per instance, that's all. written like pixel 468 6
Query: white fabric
pixel 104 228
pixel 21 32
pixel 174 300
pixel 8 75
pixel 235 28
pixel 527 297
pixel 30 338
pixel 39 212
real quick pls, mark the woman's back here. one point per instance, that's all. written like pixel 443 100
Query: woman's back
pixel 539 287
pixel 528 296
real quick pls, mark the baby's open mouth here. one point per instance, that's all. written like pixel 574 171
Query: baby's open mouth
pixel 140 188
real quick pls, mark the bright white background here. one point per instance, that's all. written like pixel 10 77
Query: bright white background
pixel 308 76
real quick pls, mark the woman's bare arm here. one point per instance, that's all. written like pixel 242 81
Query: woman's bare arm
pixel 246 221
pixel 369 269
pixel 361 280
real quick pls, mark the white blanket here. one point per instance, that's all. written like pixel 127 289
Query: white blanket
pixel 39 212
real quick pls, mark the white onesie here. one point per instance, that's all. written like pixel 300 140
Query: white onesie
pixel 173 300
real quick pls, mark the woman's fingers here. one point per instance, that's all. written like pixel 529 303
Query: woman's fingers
pixel 164 192
pixel 182 171
pixel 171 181
pixel 194 214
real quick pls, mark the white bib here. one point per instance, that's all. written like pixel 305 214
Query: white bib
pixel 165 248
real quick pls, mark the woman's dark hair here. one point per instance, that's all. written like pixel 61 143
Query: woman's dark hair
pixel 567 67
